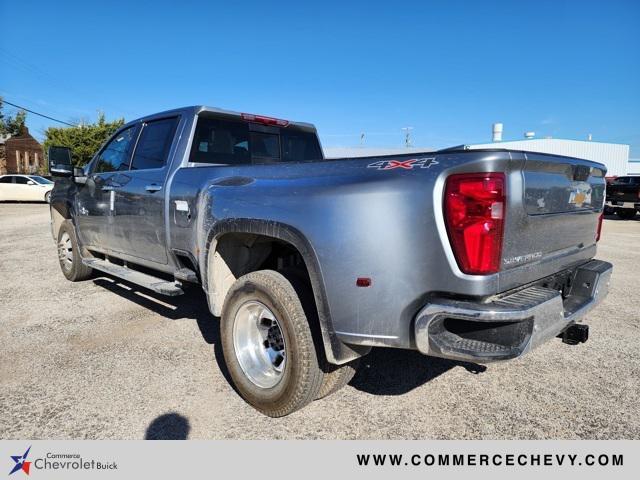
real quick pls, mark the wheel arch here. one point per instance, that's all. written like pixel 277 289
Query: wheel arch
pixel 212 267
pixel 60 211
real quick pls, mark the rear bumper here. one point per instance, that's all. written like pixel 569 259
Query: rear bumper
pixel 511 325
pixel 618 204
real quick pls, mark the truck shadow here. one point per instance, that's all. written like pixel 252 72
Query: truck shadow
pixel 190 306
pixel 391 371
pixel 384 371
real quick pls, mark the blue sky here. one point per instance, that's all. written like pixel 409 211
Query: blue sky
pixel 447 68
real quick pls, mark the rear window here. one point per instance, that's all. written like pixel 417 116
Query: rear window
pixel 226 142
pixel 265 147
pixel 299 146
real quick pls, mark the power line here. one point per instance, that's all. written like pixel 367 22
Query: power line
pixel 36 113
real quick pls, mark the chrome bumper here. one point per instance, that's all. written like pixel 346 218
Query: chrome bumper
pixel 512 325
pixel 617 204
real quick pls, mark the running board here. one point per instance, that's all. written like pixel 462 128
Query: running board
pixel 156 284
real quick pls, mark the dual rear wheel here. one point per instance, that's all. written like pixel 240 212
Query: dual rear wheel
pixel 274 357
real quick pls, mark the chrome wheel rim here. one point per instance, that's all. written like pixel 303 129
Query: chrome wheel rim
pixel 65 251
pixel 259 344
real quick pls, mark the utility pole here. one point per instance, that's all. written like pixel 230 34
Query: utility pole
pixel 408 142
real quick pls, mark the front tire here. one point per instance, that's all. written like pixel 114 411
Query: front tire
pixel 268 346
pixel 47 197
pixel 626 213
pixel 69 254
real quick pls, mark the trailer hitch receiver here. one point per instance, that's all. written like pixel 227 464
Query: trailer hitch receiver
pixel 575 334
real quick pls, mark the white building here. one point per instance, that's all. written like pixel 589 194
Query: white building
pixel 354 152
pixel 614 155
pixel 634 166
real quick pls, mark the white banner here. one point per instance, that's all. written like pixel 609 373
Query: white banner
pixel 320 459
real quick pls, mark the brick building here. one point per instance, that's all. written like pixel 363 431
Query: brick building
pixel 20 153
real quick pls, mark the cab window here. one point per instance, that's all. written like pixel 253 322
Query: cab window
pixel 220 142
pixel 154 144
pixel 115 156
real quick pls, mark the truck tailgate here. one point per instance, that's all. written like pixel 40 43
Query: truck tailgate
pixel 553 214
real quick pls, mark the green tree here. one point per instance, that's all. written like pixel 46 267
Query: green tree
pixel 11 125
pixel 83 140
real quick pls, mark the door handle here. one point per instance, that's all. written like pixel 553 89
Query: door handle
pixel 153 187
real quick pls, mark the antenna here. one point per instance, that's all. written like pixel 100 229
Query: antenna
pixel 408 142
pixel 362 139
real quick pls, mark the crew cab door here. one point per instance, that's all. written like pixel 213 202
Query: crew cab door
pixel 95 209
pixel 139 224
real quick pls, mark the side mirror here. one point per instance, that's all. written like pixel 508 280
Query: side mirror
pixel 31 182
pixel 60 164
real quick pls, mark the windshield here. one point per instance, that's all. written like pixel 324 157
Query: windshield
pixel 40 180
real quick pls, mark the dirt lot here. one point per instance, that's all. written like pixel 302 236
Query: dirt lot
pixel 99 359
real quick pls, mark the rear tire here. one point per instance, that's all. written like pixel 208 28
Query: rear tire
pixel 268 346
pixel 336 377
pixel 626 213
pixel 69 254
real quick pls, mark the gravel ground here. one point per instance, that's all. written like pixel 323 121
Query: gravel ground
pixel 103 360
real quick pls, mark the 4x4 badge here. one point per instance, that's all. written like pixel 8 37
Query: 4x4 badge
pixel 403 164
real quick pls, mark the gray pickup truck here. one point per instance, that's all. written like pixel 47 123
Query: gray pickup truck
pixel 469 255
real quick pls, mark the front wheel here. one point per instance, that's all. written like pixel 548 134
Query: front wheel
pixel 47 197
pixel 69 254
pixel 268 345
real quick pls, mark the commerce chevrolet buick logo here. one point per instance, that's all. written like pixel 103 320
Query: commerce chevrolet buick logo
pixel 403 164
pixel 21 463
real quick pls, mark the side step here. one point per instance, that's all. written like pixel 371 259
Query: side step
pixel 156 284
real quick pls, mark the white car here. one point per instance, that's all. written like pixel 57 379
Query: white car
pixel 25 188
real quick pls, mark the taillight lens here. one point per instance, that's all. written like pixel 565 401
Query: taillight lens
pixel 599 230
pixel 474 206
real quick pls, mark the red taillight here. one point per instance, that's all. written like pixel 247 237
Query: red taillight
pixel 250 117
pixel 599 230
pixel 474 205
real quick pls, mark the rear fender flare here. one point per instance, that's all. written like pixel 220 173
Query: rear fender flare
pixel 336 351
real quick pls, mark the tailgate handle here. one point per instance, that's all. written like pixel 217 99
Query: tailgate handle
pixel 581 172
